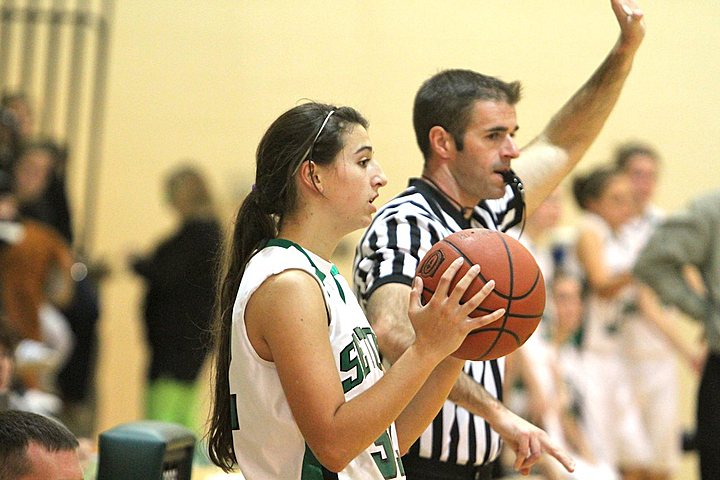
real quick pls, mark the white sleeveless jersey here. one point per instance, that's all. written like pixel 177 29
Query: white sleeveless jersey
pixel 266 439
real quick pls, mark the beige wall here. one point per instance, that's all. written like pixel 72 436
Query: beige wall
pixel 202 80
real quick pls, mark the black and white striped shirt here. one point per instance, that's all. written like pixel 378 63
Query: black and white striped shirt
pixel 401 233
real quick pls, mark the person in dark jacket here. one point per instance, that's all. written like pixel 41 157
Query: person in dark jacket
pixel 180 292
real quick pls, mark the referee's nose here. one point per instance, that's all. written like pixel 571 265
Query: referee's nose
pixel 509 149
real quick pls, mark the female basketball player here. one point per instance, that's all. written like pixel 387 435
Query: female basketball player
pixel 299 385
pixel 612 357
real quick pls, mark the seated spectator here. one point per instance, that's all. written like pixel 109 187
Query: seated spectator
pixel 553 369
pixel 35 265
pixel 35 447
pixel 40 185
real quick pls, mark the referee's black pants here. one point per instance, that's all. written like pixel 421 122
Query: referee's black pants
pixel 708 419
pixel 418 468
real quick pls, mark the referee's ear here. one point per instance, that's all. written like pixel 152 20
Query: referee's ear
pixel 442 144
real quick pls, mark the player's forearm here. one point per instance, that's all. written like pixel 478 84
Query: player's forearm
pixel 362 420
pixel 427 403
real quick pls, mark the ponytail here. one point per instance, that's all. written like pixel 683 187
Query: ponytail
pixel 252 226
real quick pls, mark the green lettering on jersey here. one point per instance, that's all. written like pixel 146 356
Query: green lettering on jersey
pixel 359 357
pixel 349 362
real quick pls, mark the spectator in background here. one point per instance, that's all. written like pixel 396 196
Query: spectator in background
pixel 35 281
pixel 35 447
pixel 178 307
pixel 563 378
pixel 9 138
pixel 18 104
pixel 692 238
pixel 39 173
pixel 40 186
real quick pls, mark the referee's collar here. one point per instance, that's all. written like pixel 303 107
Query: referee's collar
pixel 427 191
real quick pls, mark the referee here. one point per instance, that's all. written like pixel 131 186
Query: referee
pixel 464 124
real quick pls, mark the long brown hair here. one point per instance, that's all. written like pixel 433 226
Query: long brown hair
pixel 310 130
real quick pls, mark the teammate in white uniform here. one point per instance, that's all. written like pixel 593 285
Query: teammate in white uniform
pixel 652 369
pixel 300 391
pixel 615 350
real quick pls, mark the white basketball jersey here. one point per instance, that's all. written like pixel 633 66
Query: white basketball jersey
pixel 266 439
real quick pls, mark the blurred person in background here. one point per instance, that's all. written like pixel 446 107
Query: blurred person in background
pixel 18 103
pixel 537 372
pixel 653 373
pixel 621 435
pixel 9 138
pixel 691 237
pixel 39 172
pixel 180 290
pixel 35 282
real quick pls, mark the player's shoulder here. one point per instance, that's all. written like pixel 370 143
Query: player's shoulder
pixel 278 257
pixel 290 283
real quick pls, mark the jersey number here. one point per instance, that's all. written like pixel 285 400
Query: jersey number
pixel 388 461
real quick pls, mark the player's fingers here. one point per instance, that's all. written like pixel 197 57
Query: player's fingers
pixel 461 287
pixel 415 293
pixel 478 298
pixel 443 286
pixel 479 322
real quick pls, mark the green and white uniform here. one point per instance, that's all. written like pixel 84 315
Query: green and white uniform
pixel 266 439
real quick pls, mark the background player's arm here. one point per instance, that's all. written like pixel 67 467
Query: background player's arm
pixel 389 317
pixel 552 155
pixel 666 323
pixel 599 278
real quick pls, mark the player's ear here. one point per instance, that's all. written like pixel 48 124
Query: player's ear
pixel 442 142
pixel 311 176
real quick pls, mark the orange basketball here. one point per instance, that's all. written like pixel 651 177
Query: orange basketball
pixel 519 288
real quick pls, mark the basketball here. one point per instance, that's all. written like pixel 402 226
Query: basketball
pixel 519 288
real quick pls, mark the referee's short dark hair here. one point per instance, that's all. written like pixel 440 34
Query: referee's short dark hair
pixel 19 429
pixel 446 100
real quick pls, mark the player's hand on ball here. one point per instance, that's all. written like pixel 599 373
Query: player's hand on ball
pixel 444 321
